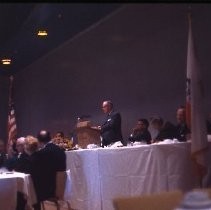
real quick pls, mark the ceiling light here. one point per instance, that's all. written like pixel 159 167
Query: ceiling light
pixel 42 33
pixel 6 61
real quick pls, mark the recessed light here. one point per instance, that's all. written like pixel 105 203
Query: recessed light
pixel 42 33
pixel 6 61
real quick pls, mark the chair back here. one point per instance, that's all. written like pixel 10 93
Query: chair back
pixel 164 201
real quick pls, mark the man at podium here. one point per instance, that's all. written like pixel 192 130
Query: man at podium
pixel 111 128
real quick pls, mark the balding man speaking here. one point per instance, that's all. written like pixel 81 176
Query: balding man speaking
pixel 111 127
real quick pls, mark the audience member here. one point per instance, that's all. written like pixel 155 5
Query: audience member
pixel 22 162
pixel 46 162
pixel 31 145
pixel 165 130
pixel 140 132
pixel 182 130
pixel 11 156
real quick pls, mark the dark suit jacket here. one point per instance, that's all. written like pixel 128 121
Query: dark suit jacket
pixel 111 129
pixel 44 165
pixel 143 136
pixel 181 131
pixel 168 131
pixel 22 163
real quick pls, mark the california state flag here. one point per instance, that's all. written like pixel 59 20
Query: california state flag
pixel 195 106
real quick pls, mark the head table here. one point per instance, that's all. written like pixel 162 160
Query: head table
pixel 102 174
pixel 10 184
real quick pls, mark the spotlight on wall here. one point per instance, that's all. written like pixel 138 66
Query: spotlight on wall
pixel 6 61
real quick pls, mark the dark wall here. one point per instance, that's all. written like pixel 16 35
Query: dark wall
pixel 136 58
pixel 4 85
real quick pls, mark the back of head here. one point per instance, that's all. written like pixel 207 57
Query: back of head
pixel 44 136
pixel 31 144
pixel 20 140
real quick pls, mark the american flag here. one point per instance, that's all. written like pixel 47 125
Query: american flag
pixel 12 127
pixel 195 98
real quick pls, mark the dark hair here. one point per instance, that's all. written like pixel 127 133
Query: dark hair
pixel 44 136
pixel 144 121
pixel 60 133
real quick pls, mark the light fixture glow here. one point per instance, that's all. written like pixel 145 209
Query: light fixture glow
pixel 42 33
pixel 6 61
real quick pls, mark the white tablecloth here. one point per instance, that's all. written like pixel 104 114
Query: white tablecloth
pixel 10 184
pixel 99 175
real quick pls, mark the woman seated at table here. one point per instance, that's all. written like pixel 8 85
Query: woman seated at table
pixel 140 132
pixel 23 165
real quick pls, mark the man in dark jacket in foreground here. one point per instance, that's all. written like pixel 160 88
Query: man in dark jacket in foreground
pixel 45 164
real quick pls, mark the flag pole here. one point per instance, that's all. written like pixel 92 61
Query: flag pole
pixel 188 85
pixel 11 90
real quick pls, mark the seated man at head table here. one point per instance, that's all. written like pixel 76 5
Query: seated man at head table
pixel 166 130
pixel 140 132
pixel 111 127
pixel 63 142
pixel 182 130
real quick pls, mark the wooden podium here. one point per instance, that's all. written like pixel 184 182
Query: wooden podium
pixel 87 135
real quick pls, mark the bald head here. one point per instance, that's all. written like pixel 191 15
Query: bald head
pixel 44 136
pixel 20 144
pixel 107 106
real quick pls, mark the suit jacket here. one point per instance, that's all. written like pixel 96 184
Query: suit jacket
pixel 44 165
pixel 143 136
pixel 111 129
pixel 168 131
pixel 181 131
pixel 22 163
